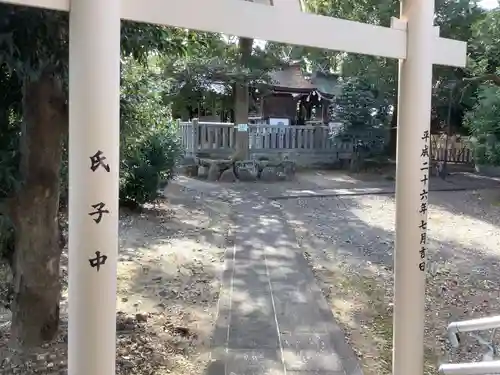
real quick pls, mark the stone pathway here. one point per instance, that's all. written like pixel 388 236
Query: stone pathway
pixel 273 318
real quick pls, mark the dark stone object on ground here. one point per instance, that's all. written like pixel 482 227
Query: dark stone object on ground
pixel 203 171
pixel 191 170
pixel 285 170
pixel 271 174
pixel 228 176
pixel 214 172
pixel 246 170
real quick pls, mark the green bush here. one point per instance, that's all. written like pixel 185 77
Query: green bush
pixel 479 151
pixel 150 147
pixel 483 122
pixel 493 154
pixel 147 163
pixel 361 105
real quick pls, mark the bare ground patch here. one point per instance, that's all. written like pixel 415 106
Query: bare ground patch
pixel 349 242
pixel 170 260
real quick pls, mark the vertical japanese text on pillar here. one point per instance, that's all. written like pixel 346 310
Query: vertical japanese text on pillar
pixel 424 197
pixel 97 161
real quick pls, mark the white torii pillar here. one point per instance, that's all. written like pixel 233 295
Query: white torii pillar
pixel 94 94
pixel 412 187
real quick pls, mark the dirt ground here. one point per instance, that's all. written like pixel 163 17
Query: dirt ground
pixel 172 254
pixel 349 242
pixel 170 260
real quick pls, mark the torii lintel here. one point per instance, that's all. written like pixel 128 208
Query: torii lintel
pixel 261 21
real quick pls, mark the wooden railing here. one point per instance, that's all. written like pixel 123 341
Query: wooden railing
pixel 219 136
pixel 197 136
pixel 456 150
pixel 185 130
pixel 295 137
pixel 216 136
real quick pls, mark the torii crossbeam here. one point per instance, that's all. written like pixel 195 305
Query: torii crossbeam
pixel 314 31
pixel 94 143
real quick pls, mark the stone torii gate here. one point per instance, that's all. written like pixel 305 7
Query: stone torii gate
pixel 94 87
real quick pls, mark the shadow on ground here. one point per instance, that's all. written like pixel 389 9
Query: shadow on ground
pixel 171 259
pixel 349 242
pixel 272 315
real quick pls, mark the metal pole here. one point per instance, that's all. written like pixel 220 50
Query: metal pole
pixel 412 187
pixel 94 89
pixel 473 368
pixel 479 324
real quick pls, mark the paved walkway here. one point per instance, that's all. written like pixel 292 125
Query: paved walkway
pixel 273 318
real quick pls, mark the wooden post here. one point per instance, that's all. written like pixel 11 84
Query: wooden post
pixel 181 135
pixel 196 136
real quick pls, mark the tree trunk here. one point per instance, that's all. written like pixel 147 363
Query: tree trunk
pixel 34 211
pixel 241 101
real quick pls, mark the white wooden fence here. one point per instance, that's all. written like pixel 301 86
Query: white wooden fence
pixel 205 137
pixel 304 141
pixel 457 149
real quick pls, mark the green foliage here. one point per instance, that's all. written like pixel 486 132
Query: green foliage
pixel 483 122
pixel 204 78
pixel 141 99
pixel 220 62
pixel 484 119
pixel 146 163
pixel 480 29
pixel 150 147
pixel 361 105
pixel 486 151
pixel 33 40
pixel 364 113
pixel 485 44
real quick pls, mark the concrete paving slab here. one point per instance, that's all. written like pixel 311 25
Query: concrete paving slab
pixel 254 362
pixel 253 326
pixel 276 318
pixel 310 352
pixel 297 311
